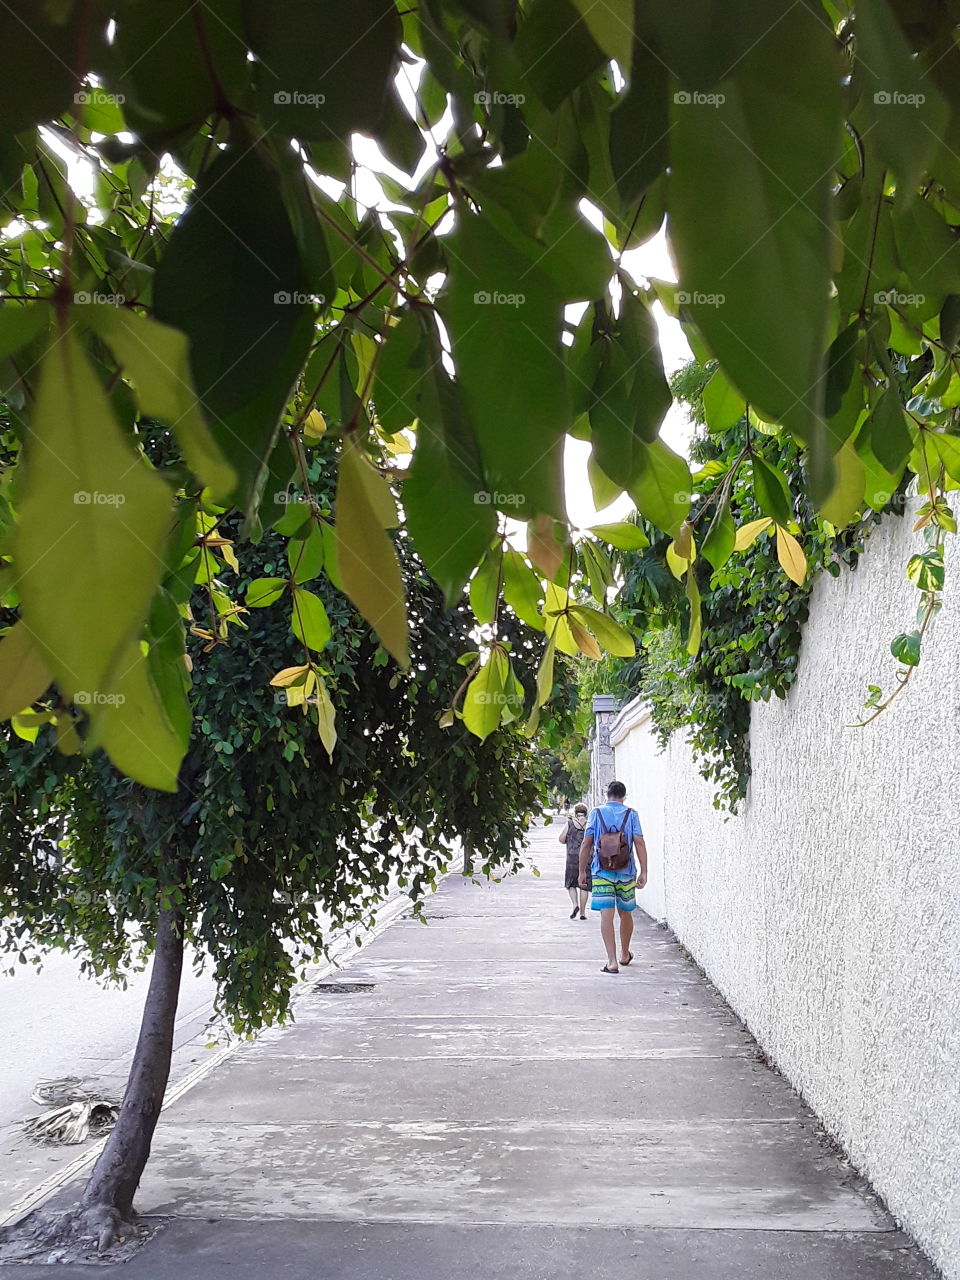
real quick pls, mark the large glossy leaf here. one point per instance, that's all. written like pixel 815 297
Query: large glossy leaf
pixel 137 732
pixel 175 68
pixel 504 318
pixel 39 53
pixel 905 114
pixel 630 394
pixel 755 273
pixel 483 702
pixel 24 676
pixel 323 69
pixel 366 556
pixel 94 520
pixel 556 49
pixel 448 504
pixel 662 490
pixel 233 282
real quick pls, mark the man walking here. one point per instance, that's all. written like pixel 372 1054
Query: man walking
pixel 614 888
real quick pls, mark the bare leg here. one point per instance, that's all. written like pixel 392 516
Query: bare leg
pixel 626 933
pixel 609 937
pixel 583 903
pixel 573 896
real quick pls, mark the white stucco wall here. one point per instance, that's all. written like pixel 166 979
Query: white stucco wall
pixel 828 910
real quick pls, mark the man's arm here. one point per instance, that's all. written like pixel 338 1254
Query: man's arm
pixel 586 855
pixel 640 846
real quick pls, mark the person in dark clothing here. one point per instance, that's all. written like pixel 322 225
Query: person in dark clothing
pixel 572 836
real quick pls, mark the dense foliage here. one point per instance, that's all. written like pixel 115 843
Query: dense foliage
pixel 271 844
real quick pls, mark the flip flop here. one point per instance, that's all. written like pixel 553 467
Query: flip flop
pixel 629 958
pixel 606 970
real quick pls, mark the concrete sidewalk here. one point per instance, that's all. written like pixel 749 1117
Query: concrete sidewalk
pixel 474 1098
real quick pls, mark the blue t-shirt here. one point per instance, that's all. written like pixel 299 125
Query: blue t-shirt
pixel 611 816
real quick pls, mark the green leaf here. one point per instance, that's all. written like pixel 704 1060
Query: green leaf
pixel 156 357
pixel 366 556
pixel 521 589
pixel 483 588
pixel 890 437
pixel 449 507
pixel 168 67
pixel 640 126
pixel 305 555
pixel 950 323
pixel 483 702
pixel 232 280
pixel 723 406
pixel 906 648
pixel 755 275
pixel 39 51
pixel 24 676
pixel 718 544
pixel 505 318
pixel 556 48
pixel 662 491
pixel 323 70
pixel 622 535
pixel 841 359
pixel 603 489
pixel 265 591
pixel 929 250
pixel 20 324
pixel 136 731
pixel 905 113
pixel 94 521
pixel 400 373
pixel 598 567
pixel 630 395
pixel 614 637
pixel 309 620
pixel 772 491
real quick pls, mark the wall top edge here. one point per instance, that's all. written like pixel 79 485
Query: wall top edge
pixel 633 716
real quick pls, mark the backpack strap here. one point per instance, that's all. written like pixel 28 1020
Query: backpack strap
pixel 623 824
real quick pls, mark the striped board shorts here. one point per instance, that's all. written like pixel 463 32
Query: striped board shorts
pixel 614 889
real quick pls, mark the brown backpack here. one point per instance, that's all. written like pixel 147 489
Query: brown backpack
pixel 613 851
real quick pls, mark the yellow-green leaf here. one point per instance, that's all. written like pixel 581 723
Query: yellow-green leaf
pixel 695 631
pixel 748 533
pixel 135 730
pixel 264 591
pixel 157 360
pixel 585 641
pixel 366 556
pixel 542 546
pixel 23 673
pixel 326 718
pixel 614 637
pixel 483 702
pixel 289 675
pixel 622 535
pixel 791 557
pixel 847 495
pixel 95 520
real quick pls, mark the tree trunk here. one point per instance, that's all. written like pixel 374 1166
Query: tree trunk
pixel 107 1199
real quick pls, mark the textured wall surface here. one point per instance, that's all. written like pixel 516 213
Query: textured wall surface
pixel 828 910
pixel 642 768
